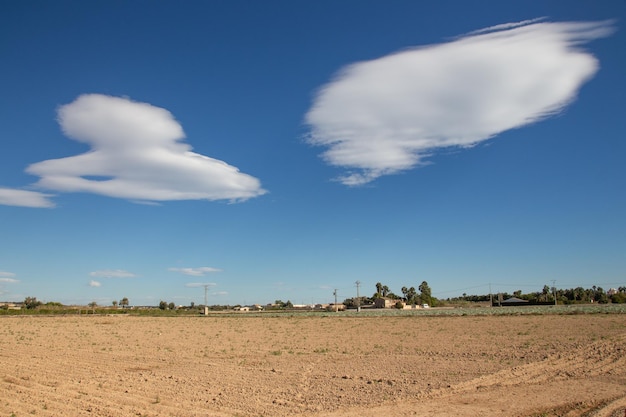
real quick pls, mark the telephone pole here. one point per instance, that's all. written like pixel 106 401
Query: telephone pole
pixel 206 300
pixel 335 294
pixel 554 290
pixel 358 297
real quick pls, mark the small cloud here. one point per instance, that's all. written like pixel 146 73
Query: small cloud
pixel 137 153
pixel 387 115
pixel 112 273
pixel 8 277
pixel 93 283
pixel 195 272
pixel 24 198
pixel 219 293
pixel 200 284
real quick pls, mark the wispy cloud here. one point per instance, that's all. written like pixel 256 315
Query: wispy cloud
pixel 8 278
pixel 200 284
pixel 24 198
pixel 387 115
pixel 137 153
pixel 195 272
pixel 505 26
pixel 94 283
pixel 112 273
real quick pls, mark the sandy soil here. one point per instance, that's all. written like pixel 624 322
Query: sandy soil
pixel 313 366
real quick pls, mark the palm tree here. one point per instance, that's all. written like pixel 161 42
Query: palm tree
pixel 385 290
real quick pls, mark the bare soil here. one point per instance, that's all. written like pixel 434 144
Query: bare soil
pixel 536 365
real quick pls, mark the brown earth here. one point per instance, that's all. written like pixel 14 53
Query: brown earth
pixel 536 365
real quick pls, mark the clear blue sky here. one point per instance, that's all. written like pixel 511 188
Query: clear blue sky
pixel 284 149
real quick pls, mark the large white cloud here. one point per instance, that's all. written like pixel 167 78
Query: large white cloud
pixel 24 198
pixel 137 153
pixel 383 116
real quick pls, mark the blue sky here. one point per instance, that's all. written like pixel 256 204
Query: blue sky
pixel 284 149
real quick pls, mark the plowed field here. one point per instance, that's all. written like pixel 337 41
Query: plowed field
pixel 344 365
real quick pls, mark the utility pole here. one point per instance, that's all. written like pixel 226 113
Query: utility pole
pixel 335 294
pixel 490 296
pixel 358 297
pixel 554 290
pixel 206 300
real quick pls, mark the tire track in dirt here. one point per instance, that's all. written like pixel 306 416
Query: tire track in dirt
pixel 616 408
pixel 602 357
pixel 490 395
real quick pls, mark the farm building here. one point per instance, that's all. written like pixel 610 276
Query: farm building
pixel 384 302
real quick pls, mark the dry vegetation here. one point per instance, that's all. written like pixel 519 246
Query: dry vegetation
pixel 535 365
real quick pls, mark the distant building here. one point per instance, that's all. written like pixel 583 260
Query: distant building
pixel 514 300
pixel 384 302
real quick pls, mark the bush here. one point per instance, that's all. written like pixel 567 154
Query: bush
pixel 31 303
pixel 618 298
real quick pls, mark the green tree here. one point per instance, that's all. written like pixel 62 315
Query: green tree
pixel 618 298
pixel 600 296
pixel 163 305
pixel 426 294
pixel 171 306
pixel 31 303
pixel 410 295
pixel 385 291
pixel 114 303
pixel 124 302
pixel 379 290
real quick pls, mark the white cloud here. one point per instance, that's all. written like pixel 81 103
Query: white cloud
pixel 24 198
pixel 112 273
pixel 200 284
pixel 195 272
pixel 387 115
pixel 94 283
pixel 8 278
pixel 137 153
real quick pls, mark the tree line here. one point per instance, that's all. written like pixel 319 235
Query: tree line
pixel 578 295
